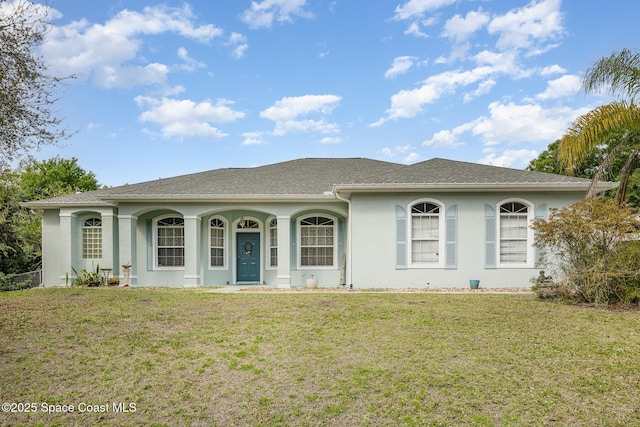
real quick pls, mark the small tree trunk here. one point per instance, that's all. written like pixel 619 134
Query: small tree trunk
pixel 625 175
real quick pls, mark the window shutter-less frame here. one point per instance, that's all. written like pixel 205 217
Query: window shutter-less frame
pixel 489 236
pixel 539 255
pixel 401 237
pixel 451 239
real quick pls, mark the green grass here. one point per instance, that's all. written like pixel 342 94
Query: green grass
pixel 349 359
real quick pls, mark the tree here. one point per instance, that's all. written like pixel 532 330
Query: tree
pixel 20 228
pixel 27 91
pixel 549 162
pixel 588 246
pixel 620 74
pixel 53 177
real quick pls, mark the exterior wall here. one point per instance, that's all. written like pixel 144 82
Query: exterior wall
pixel 52 249
pixel 374 239
pixel 197 270
pixel 128 237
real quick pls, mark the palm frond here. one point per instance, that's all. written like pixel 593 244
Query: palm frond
pixel 618 73
pixel 595 127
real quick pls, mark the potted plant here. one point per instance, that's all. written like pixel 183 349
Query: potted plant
pixel 312 283
pixel 88 278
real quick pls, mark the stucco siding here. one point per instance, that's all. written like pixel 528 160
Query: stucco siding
pixel 51 246
pixel 374 240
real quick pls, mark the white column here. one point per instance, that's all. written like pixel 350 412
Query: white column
pixel 107 242
pixel 284 252
pixel 66 247
pixel 192 226
pixel 127 225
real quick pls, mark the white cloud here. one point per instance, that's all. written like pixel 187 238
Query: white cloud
pixel 510 124
pixel 416 8
pixel 331 140
pixel 190 64
pixel 483 88
pixel 404 148
pixel 102 51
pixel 562 87
pixel 253 138
pixel 238 44
pixel 126 77
pixel 262 14
pixel 414 30
pixel 510 158
pixel 411 158
pixel 292 107
pixel 387 152
pixel 408 103
pixel 289 114
pixel 552 69
pixel 529 26
pixel 408 156
pixel 400 65
pixel 461 28
pixel 180 118
pixel 443 138
pixel 513 123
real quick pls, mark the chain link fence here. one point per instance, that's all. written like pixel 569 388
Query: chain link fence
pixel 14 282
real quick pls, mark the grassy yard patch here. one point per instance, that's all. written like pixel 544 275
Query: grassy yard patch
pixel 190 358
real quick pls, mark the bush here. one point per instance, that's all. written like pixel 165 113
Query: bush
pixel 589 247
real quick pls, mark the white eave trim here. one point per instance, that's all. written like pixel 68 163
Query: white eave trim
pixel 223 197
pixel 473 186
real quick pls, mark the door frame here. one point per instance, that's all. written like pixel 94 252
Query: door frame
pixel 234 241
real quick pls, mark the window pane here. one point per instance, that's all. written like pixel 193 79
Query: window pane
pixel 425 251
pixel 170 242
pixel 216 243
pixel 217 257
pixel 316 241
pixel 92 242
pixel 171 257
pixel 425 233
pixel 514 233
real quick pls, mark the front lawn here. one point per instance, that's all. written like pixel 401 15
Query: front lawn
pixel 185 357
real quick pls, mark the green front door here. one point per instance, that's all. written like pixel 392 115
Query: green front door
pixel 248 257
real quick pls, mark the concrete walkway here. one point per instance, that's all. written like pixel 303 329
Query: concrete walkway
pixel 229 289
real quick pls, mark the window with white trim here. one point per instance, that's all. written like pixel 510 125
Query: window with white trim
pixel 514 233
pixel 217 232
pixel 92 238
pixel 317 241
pixel 170 242
pixel 273 243
pixel 425 233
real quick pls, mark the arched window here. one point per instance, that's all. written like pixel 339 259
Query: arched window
pixel 273 243
pixel 425 233
pixel 92 238
pixel 217 242
pixel 317 241
pixel 514 233
pixel 170 242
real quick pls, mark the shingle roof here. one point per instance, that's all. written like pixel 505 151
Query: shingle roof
pixel 442 171
pixel 312 178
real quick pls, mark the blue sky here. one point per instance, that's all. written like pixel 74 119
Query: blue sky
pixel 174 87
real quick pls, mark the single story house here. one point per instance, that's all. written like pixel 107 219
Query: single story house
pixel 370 223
